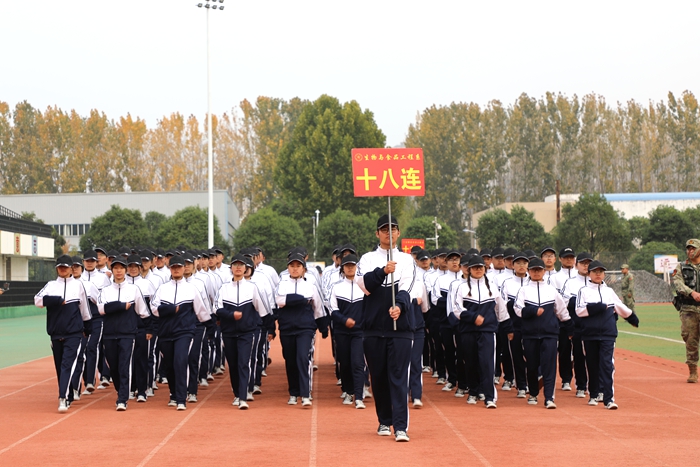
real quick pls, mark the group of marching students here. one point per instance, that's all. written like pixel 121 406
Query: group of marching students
pixel 138 317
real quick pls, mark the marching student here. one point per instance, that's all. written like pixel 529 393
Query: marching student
pixel 123 307
pixel 240 309
pixel 200 339
pixel 95 346
pixel 567 258
pixel 178 305
pixel 102 266
pixel 480 311
pixel 266 269
pixel 420 305
pixel 598 306
pixel 92 295
pixel 501 275
pixel 346 312
pixel 549 256
pixel 152 343
pixel 216 359
pixel 432 318
pixel 514 349
pixel 300 315
pixel 542 309
pixel 67 320
pixel 388 330
pixel 422 259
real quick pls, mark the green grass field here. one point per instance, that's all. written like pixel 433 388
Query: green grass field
pixel 24 339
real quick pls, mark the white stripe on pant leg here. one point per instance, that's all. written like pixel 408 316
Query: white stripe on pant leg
pixel 187 372
pixel 72 368
pixel 131 362
pixel 199 360
pixel 97 360
pixel 495 392
pixel 613 372
pixel 251 365
pixel 408 412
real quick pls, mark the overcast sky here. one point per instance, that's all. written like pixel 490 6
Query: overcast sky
pixel 148 57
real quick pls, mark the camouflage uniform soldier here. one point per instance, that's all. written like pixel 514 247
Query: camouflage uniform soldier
pixel 686 283
pixel 627 285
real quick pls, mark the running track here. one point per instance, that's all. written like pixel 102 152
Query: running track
pixel 655 425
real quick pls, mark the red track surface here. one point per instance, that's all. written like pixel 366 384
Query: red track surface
pixel 655 425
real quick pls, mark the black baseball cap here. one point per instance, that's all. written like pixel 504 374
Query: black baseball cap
pixel 415 249
pixel 453 253
pixel 118 260
pixel 112 254
pixel 77 261
pixel 566 251
pixel 475 260
pixel 422 254
pixel 349 259
pixel 485 252
pixel 239 258
pixel 177 260
pixel 187 257
pixel 595 264
pixel 133 259
pixel 530 254
pixel 296 257
pixel 147 255
pixel 521 255
pixel 64 260
pixel 509 252
pixel 99 248
pixel 384 220
pixel 535 263
pixel 546 249
pixel 90 254
pixel 496 252
pixel 584 256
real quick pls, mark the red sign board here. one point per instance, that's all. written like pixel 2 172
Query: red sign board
pixel 408 243
pixel 388 172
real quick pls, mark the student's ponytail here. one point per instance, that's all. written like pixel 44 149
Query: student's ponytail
pixel 486 280
pixel 469 281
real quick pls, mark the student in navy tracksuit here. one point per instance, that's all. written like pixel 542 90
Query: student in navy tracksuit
pixel 479 310
pixel 420 305
pixel 542 309
pixel 123 307
pixel 67 320
pixel 240 310
pixel 598 307
pixel 300 314
pixel 345 303
pixel 178 305
pixel 509 292
pixel 388 330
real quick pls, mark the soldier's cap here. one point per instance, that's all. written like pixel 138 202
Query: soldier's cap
pixel 496 252
pixel 90 254
pixel 384 220
pixel 296 257
pixel 77 261
pixel 147 255
pixel 509 252
pixel 415 249
pixel 535 263
pixel 239 258
pixel 118 260
pixel 125 251
pixel 546 249
pixel 475 260
pixel 520 255
pixel 112 254
pixel 452 253
pixel 187 257
pixel 694 242
pixel 596 265
pixel 584 256
pixel 422 254
pixel 64 260
pixel 133 259
pixel 349 259
pixel 99 248
pixel 624 266
pixel 566 251
pixel 177 260
pixel 530 254
pixel 348 247
pixel 485 252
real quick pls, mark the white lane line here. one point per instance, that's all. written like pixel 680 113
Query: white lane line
pixel 314 417
pixel 20 390
pixel 63 418
pixel 653 337
pixel 653 367
pixel 464 441
pixel 22 363
pixel 177 428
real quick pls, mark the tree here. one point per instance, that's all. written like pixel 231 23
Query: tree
pixel 116 228
pixel 639 229
pixel 423 227
pixel 343 227
pixel 58 241
pixel 693 215
pixel 153 222
pixel 314 169
pixel 668 224
pixel 188 227
pixel 518 229
pixel 644 258
pixel 275 234
pixel 592 225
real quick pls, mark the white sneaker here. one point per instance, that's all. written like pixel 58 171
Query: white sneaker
pixel 62 406
pixel 264 373
pixel 611 406
pixel 181 407
pixel 315 367
pixel 384 430
pixel 219 371
pixel 600 397
pixel 566 387
pixel 121 407
pixel 141 399
pixel 164 380
pixel 204 383
pixel 132 396
pixel 243 405
pixel 250 397
pixel 471 400
pixel 496 380
pixel 440 381
pixel 292 400
pixel 257 390
pixel 366 394
pixel 172 403
pixel 210 377
pixel 150 393
pixel 482 397
pixel 401 437
pixel 348 400
pixel 447 387
pixel 89 388
pixel 361 405
pixel 236 402
pixel 343 395
pixel 460 392
pixel 532 400
pixel 191 398
pixel 339 382
pixel 86 392
pixel 507 386
pixel 417 403
pixel 490 405
pixel 305 402
pixel 521 394
pixel 426 369
pixel 550 405
pixel 155 386
pixel 435 374
pixel 76 395
pixel 592 401
pixel 580 393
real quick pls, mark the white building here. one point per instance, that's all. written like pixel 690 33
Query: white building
pixel 21 241
pixel 639 204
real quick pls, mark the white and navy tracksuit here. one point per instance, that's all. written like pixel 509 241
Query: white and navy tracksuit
pixel 300 313
pixel 509 292
pixel 198 366
pixel 238 334
pixel 541 333
pixel 140 359
pixel 474 298
pixel 345 302
pixel 94 350
pixel 432 324
pixel 92 295
pixel 570 286
pixel 388 351
pixel 67 319
pixel 415 379
pixel 597 306
pixel 179 306
pixel 260 345
pixel 120 328
pixel 448 334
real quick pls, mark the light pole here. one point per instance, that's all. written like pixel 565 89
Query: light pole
pixel 473 235
pixel 315 237
pixel 437 227
pixel 210 156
